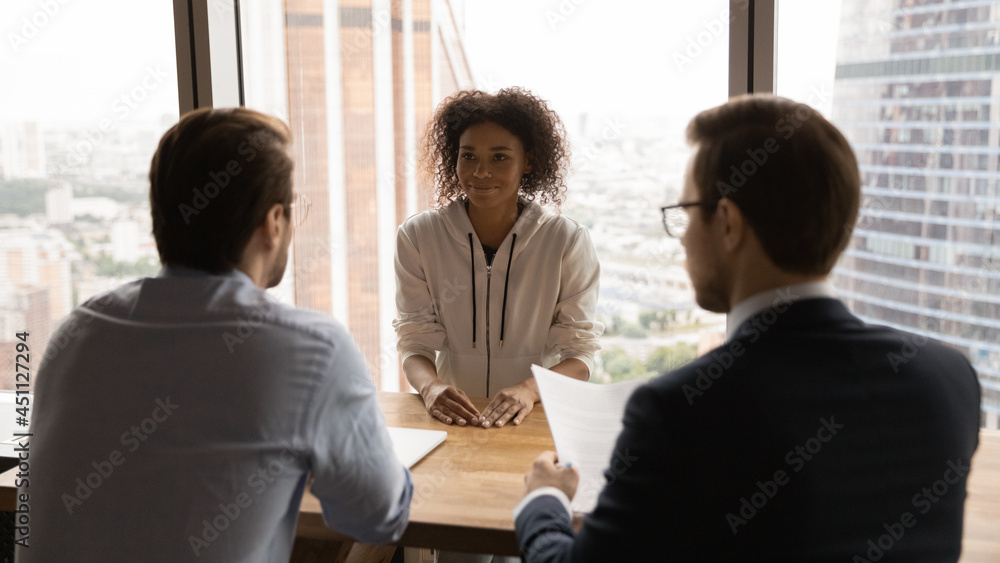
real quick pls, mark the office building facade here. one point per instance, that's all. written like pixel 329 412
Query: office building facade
pixel 916 93
pixel 363 78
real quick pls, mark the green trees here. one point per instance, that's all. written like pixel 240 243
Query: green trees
pixel 657 320
pixel 23 196
pixel 106 266
pixel 618 365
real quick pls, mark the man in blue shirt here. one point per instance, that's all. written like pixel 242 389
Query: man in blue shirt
pixel 177 417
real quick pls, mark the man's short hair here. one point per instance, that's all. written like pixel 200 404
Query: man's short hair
pixel 213 178
pixel 792 174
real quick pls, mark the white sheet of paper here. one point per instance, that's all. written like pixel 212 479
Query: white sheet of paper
pixel 585 420
pixel 412 444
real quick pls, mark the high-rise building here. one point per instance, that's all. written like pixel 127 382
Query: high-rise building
pixel 916 93
pixel 37 258
pixel 59 204
pixel 22 151
pixel 23 309
pixel 362 81
pixel 35 291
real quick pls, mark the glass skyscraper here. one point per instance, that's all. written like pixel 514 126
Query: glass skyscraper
pixel 357 83
pixel 917 92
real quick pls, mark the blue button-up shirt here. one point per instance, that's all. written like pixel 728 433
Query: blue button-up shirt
pixel 176 419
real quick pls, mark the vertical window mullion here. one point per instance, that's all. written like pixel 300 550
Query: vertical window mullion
pixel 208 54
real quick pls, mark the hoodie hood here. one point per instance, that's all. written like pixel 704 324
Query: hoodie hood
pixel 532 217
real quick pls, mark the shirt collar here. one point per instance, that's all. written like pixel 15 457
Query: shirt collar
pixel 772 297
pixel 185 272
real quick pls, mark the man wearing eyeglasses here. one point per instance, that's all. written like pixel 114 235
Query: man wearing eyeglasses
pixel 177 417
pixel 809 435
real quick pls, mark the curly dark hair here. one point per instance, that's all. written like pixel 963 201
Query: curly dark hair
pixel 525 115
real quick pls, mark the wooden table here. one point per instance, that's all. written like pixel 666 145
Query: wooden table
pixel 981 540
pixel 466 489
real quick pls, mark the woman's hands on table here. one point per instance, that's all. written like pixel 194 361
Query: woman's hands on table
pixel 450 404
pixel 517 401
pixel 513 402
pixel 444 402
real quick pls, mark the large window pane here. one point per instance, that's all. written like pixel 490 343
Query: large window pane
pixel 88 91
pixel 363 78
pixel 356 81
pixel 914 90
pixel 626 77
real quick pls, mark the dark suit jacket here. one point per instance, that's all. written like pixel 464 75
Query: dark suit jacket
pixel 809 437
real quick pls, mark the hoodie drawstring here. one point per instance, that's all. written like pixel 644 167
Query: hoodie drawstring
pixel 472 255
pixel 506 282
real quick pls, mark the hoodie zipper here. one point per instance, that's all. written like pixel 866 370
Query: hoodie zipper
pixel 489 269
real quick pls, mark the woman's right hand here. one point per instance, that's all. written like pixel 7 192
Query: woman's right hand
pixel 450 405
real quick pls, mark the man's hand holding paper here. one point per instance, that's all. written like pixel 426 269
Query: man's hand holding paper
pixel 546 472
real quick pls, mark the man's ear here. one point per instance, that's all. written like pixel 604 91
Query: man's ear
pixel 732 224
pixel 274 226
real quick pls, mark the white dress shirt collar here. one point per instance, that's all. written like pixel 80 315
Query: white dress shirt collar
pixel 766 299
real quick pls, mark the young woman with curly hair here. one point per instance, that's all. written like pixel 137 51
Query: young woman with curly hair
pixel 490 281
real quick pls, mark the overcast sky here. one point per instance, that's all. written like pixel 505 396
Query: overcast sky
pixel 604 57
pixel 84 58
pixel 638 57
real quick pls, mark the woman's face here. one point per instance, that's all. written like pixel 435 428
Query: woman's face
pixel 491 161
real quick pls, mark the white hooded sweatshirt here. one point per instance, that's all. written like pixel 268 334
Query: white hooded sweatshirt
pixel 484 326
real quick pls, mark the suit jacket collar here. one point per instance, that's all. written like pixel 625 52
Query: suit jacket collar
pixel 775 298
pixel 822 312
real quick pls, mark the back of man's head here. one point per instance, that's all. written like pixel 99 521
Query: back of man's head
pixel 213 178
pixel 792 174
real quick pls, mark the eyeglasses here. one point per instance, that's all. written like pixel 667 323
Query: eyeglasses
pixel 300 209
pixel 675 218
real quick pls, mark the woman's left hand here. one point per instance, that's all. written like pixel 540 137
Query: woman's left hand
pixel 513 402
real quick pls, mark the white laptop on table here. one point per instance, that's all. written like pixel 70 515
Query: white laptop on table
pixel 412 444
